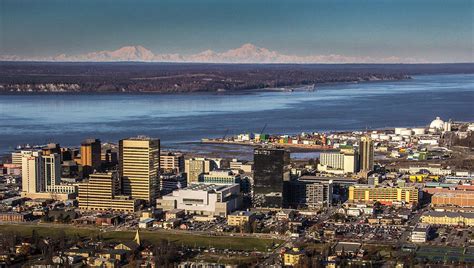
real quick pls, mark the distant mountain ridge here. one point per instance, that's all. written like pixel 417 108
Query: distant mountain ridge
pixel 247 53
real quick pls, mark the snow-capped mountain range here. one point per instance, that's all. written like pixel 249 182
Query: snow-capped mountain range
pixel 247 53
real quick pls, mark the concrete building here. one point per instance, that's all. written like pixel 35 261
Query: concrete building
pixel 242 166
pixel 385 195
pixel 90 156
pixel 171 162
pixel 32 172
pixel 308 193
pixel 239 218
pixel 366 151
pixel 195 167
pixel 222 176
pixel 458 198
pixel 17 158
pixel 139 164
pixel 203 199
pixel 102 193
pixel 448 218
pixel 420 234
pixel 333 162
pixel 51 148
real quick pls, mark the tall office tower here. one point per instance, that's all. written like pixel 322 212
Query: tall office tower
pixel 139 165
pixel 51 148
pixel 271 176
pixel 51 170
pixel 171 162
pixel 90 156
pixel 102 192
pixel 366 149
pixel 32 172
pixel 195 167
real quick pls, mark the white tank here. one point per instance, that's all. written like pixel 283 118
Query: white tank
pixel 418 131
pixel 397 138
pixel 398 130
pixel 406 132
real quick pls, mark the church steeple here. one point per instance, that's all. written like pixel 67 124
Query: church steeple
pixel 137 237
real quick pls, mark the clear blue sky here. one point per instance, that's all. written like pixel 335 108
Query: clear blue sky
pixel 436 30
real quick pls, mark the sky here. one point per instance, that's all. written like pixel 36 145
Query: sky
pixel 432 30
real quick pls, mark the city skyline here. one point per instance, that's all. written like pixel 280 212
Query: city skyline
pixel 234 32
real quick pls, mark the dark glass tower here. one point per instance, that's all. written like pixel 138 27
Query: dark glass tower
pixel 271 176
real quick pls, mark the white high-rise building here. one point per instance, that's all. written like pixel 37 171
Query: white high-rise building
pixel 32 172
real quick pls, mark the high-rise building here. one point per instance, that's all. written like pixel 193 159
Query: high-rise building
pixel 32 172
pixel 102 192
pixel 271 176
pixel 90 156
pixel 51 148
pixel 195 167
pixel 52 170
pixel 139 165
pixel 171 162
pixel 366 151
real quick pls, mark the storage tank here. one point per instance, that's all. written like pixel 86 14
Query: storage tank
pixel 397 138
pixel 419 131
pixel 398 130
pixel 406 132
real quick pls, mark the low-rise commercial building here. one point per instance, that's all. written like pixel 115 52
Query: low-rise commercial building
pixel 293 257
pixel 240 218
pixel 457 198
pixel 448 218
pixel 203 199
pixel 420 234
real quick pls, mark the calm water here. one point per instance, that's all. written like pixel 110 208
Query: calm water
pixel 67 119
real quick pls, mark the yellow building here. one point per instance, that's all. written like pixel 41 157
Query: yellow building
pixel 139 164
pixel 195 167
pixel 448 218
pixel 239 218
pixel 384 195
pixel 101 193
pixel 90 156
pixel 293 257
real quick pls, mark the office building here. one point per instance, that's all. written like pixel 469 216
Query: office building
pixel 196 167
pixel 90 156
pixel 271 175
pixel 203 199
pixel 366 151
pixel 52 169
pixel 139 164
pixel 241 166
pixel 307 193
pixel 17 158
pixel 102 193
pixel 239 218
pixel 221 176
pixel 171 182
pixel 385 195
pixel 171 162
pixel 338 163
pixel 51 148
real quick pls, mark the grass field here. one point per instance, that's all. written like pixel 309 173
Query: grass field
pixel 234 243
